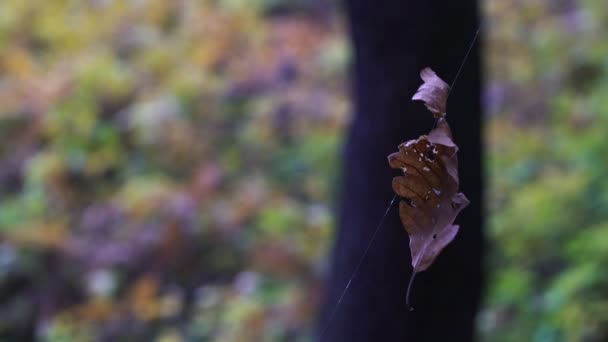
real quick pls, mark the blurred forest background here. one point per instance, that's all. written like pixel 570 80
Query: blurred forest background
pixel 546 101
pixel 168 169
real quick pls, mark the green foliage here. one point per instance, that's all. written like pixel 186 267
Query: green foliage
pixel 166 168
pixel 547 88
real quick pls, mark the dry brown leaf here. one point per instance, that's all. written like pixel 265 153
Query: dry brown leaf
pixel 434 93
pixel 429 187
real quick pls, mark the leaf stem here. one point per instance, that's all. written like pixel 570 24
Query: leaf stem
pixel 409 288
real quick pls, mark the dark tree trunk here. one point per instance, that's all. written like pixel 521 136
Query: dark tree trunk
pixel 393 40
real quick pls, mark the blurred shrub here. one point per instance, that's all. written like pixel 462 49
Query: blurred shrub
pixel 166 167
pixel 548 109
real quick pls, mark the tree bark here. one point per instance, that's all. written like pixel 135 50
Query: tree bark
pixel 392 41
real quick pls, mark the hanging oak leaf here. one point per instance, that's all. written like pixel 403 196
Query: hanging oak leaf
pixel 429 187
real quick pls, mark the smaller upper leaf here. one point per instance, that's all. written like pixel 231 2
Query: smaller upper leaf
pixel 434 93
